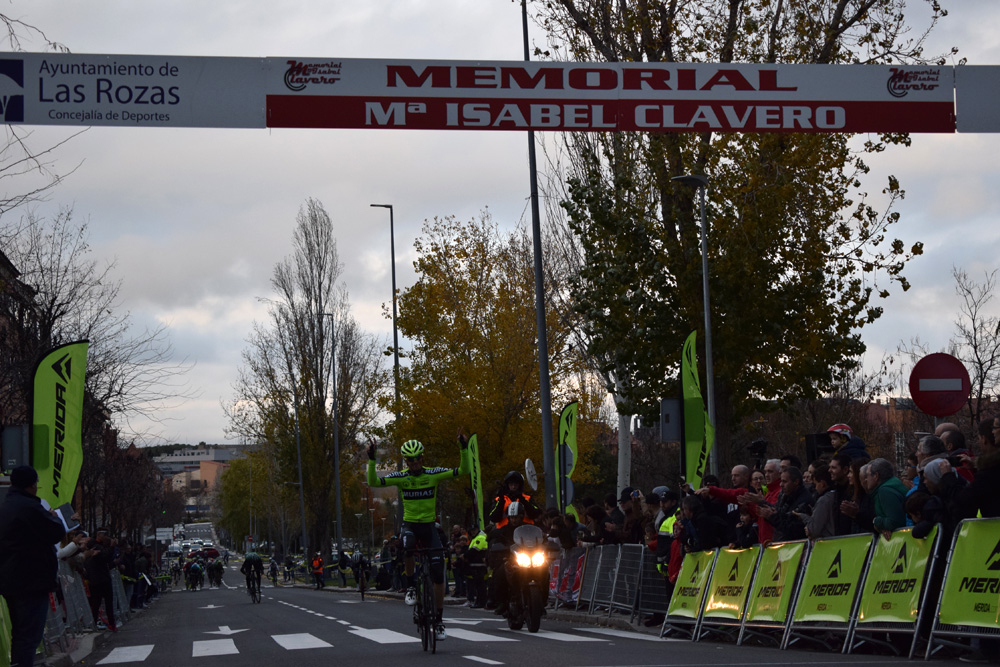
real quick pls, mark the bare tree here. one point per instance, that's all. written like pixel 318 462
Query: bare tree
pixel 286 373
pixel 75 297
pixel 977 338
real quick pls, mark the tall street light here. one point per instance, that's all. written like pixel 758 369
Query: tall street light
pixel 700 182
pixel 336 430
pixel 395 331
pixel 548 452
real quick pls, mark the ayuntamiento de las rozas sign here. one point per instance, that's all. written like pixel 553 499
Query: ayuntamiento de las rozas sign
pixel 185 91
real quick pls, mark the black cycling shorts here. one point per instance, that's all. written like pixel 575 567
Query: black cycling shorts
pixel 426 536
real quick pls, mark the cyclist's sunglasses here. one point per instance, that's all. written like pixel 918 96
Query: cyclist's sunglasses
pixel 413 458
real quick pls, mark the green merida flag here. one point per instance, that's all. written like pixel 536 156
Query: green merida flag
pixel 566 458
pixel 477 479
pixel 57 421
pixel 699 432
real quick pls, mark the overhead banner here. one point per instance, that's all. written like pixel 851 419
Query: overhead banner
pixel 194 91
pixel 689 589
pixel 730 584
pixel 772 589
pixel 971 591
pixel 57 421
pixel 830 583
pixel 896 578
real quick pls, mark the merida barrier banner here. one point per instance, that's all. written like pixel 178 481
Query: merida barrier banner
pixel 730 584
pixel 773 588
pixel 292 92
pixel 830 582
pixel 689 589
pixel 57 421
pixel 971 590
pixel 896 578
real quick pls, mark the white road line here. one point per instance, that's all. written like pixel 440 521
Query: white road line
pixel 332 618
pixel 611 632
pixel 127 654
pixel 470 636
pixel 300 641
pixel 557 636
pixel 384 636
pixel 344 622
pixel 485 661
pixel 210 647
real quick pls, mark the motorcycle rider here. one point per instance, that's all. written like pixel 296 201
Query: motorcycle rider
pixel 512 490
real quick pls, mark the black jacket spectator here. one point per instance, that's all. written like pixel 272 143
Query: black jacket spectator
pixel 788 525
pixel 28 535
pixel 986 483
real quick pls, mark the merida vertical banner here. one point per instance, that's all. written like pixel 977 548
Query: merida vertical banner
pixel 727 592
pixel 830 583
pixel 566 457
pixel 698 432
pixel 971 592
pixel 57 421
pixel 477 479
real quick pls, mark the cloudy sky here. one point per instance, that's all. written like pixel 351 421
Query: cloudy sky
pixel 197 218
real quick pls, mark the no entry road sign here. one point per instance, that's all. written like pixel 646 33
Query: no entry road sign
pixel 939 384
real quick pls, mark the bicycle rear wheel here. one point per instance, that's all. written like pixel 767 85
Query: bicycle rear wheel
pixel 361 587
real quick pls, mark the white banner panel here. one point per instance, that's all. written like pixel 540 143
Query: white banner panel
pixel 141 91
pixel 977 98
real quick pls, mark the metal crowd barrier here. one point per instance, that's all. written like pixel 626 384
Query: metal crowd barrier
pixel 77 607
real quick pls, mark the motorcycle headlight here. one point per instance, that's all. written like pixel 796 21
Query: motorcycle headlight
pixel 538 558
pixel 522 559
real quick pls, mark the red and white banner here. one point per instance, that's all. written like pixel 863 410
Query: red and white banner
pixel 188 91
pixel 603 97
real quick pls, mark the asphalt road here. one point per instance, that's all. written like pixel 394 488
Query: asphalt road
pixel 308 627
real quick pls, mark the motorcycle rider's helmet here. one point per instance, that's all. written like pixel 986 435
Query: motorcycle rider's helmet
pixel 412 449
pixel 514 476
pixel 515 510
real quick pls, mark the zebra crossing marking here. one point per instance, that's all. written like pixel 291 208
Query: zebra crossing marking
pixel 127 654
pixel 210 647
pixel 472 636
pixel 299 641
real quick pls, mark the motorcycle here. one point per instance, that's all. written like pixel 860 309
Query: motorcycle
pixel 528 573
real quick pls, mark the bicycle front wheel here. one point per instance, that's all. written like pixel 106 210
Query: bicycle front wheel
pixel 430 611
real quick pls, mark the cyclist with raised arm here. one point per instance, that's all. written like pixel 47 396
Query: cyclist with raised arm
pixel 418 487
pixel 253 568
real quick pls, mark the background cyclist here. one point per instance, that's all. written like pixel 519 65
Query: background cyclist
pixel 418 487
pixel 253 565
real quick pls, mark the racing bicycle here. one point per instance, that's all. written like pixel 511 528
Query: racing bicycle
pixel 253 588
pixel 425 611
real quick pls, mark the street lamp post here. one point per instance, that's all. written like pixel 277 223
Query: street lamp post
pixel 357 547
pixel 548 452
pixel 700 182
pixel 395 330
pixel 336 430
pixel 371 511
pixel 298 455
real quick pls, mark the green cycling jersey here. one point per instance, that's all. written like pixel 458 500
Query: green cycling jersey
pixel 419 490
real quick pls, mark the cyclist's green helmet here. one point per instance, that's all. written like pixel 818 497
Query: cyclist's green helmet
pixel 412 449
